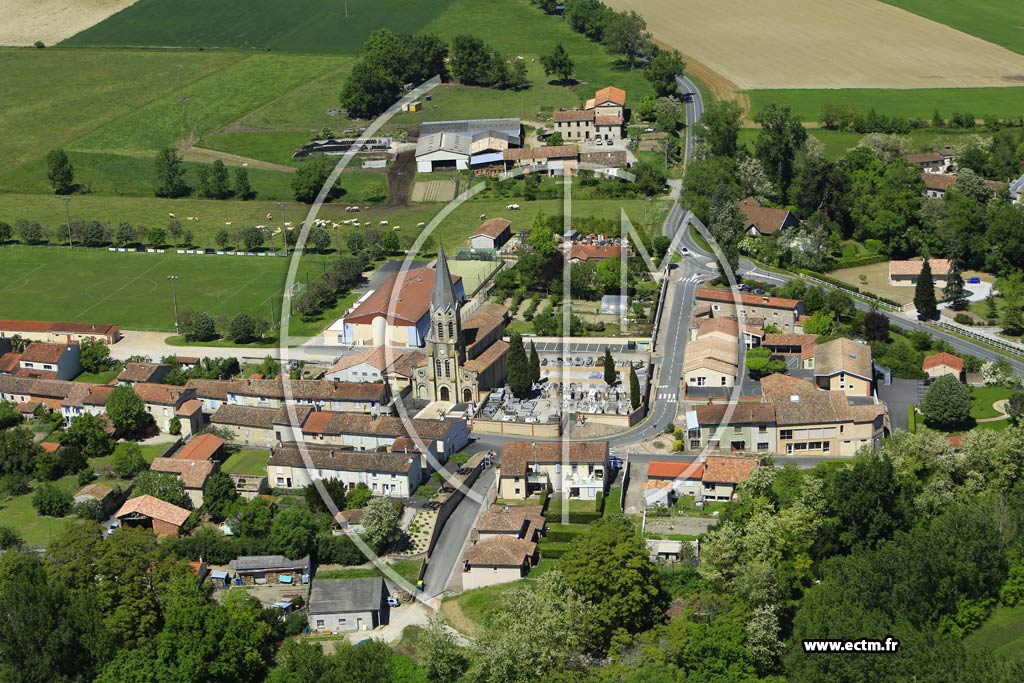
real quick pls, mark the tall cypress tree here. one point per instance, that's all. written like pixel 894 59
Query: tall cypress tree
pixel 634 388
pixel 518 368
pixel 609 368
pixel 534 364
pixel 955 291
pixel 924 293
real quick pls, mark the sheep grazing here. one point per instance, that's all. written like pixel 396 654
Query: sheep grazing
pixel 171 215
pixel 397 227
pixel 270 216
pixel 228 223
pixel 483 216
pixel 512 207
pixel 383 223
pixel 421 225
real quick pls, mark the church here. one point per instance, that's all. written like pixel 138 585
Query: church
pixel 463 358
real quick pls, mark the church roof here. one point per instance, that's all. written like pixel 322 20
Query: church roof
pixel 443 296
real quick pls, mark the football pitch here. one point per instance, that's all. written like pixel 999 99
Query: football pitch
pixel 132 290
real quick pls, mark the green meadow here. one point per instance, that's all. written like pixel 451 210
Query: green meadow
pixel 997 21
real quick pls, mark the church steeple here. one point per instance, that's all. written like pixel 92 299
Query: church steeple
pixel 443 296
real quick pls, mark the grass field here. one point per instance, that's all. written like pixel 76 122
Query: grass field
pixel 131 290
pixel 997 21
pixel 837 142
pixel 918 103
pixel 1001 634
pixel 309 26
pixel 984 398
pixel 246 462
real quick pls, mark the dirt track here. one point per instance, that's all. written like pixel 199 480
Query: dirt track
pixel 51 21
pixel 815 44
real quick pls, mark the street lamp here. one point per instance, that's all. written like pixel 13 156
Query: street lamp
pixel 174 298
pixel 284 225
pixel 67 209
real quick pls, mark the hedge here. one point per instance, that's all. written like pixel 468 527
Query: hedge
pixel 560 536
pixel 912 419
pixel 857 261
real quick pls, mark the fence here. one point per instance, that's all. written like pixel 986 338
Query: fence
pixel 985 339
pixel 866 298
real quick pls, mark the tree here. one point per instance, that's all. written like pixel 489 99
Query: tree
pixel 381 519
pixel 9 416
pixel 876 326
pixel 128 459
pixel 647 179
pixel 320 240
pixel 947 403
pixel 634 388
pixel 87 434
pixel 156 237
pixel 31 232
pixel 471 61
pixel 197 326
pixel 668 113
pixel 760 362
pixel 175 230
pixel 445 659
pixel 243 190
pixel 163 485
pixel 358 497
pixel 202 187
pixel 252 237
pixel 18 451
pixel 609 567
pixel 52 500
pixel 558 62
pixel 610 374
pixel 60 172
pixel 955 291
pixel 726 221
pixel 719 127
pixel 127 411
pixel 293 532
pixel 554 140
pixel 821 322
pixel 10 538
pixel 534 364
pixel 369 91
pixel 5 232
pixel 924 293
pixel 780 138
pixel 518 368
pixel 533 631
pixel 335 489
pixel 625 33
pixel 220 180
pixel 242 328
pixel 311 177
pixel 662 70
pixel 125 235
pixel 517 76
pixel 219 495
pixel 95 355
pixel 170 174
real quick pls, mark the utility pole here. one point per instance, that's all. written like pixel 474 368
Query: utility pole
pixel 273 325
pixel 284 225
pixel 174 299
pixel 67 209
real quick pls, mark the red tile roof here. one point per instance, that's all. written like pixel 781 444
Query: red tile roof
pixel 608 120
pixel 404 299
pixel 140 372
pixel 158 393
pixel 940 266
pixel 493 227
pixel 42 352
pixel 730 297
pixel 189 407
pixel 50 447
pixel 154 508
pixel 36 373
pixel 10 362
pixel 517 454
pixel 947 359
pixel 729 470
pixel 610 94
pixel 202 447
pixel 767 220
pixel 663 469
pixel 530 153
pixel 193 473
pixel 500 552
pixel 592 252
pixel 574 115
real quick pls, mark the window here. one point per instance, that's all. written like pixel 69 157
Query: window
pixel 702 381
pixel 440 329
pixel 723 380
pixel 694 443
pixel 737 429
pixel 762 445
pixel 319 623
pixel 447 368
pixel 451 330
pixel 762 429
pixel 785 434
pixel 437 367
pixel 826 447
pixel 280 482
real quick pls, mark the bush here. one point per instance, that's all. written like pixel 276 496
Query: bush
pixel 14 484
pixel 89 509
pixel 963 319
pixel 52 501
pixel 174 427
pixel 9 538
pixel 460 459
pixel 426 491
pixel 294 624
pixel 85 476
pixel 677 445
pixel 543 500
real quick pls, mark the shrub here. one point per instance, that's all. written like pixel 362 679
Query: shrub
pixel 174 427
pixel 963 319
pixel 9 538
pixel 89 509
pixel 14 484
pixel 52 501
pixel 460 459
pixel 426 491
pixel 85 476
pixel 677 445
pixel 294 624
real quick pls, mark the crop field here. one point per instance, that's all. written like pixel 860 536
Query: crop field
pixel 302 26
pixel 918 103
pixel 51 21
pixel 997 21
pixel 843 44
pixel 131 289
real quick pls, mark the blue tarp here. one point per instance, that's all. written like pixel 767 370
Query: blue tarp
pixel 219 574
pixel 285 579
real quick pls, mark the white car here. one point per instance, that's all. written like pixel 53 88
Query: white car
pixel 648 130
pixel 598 142
pixel 393 601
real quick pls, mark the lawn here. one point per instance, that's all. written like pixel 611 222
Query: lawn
pixel 131 290
pixel 407 569
pixel 984 397
pixel 1002 634
pixel 276 147
pixel 246 462
pixel 305 26
pixel 918 103
pixel 99 377
pixel 55 96
pixel 996 21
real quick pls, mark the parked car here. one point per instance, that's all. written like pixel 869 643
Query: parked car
pixel 648 129
pixel 757 291
pixel 393 601
pixel 974 280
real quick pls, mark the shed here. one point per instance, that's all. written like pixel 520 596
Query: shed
pixel 344 605
pixel 266 569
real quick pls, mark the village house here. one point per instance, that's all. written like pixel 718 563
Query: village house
pixel 684 477
pixel 58 332
pixel 365 366
pixel 937 184
pixel 939 364
pixel 192 473
pixel 593 253
pixel 941 161
pixel 162 517
pixel 527 468
pixel 202 447
pixel 348 605
pixel 211 393
pixel 844 365
pixel 93 401
pixel 764 220
pixel 793 344
pixel 557 160
pixel 385 474
pixel 101 493
pixel 143 372
pixel 162 401
pixel 357 397
pixel 906 273
pixel 395 314
pixel 496 561
pixel 261 427
pixel 492 234
pixel 751 428
pixel 723 473
pixel 52 393
pixel 770 310
pixel 602 118
pixel 711 362
pixel 45 360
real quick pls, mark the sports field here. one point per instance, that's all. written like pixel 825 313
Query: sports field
pixel 997 21
pixel 131 289
pixel 301 26
pixel 918 103
pixel 838 44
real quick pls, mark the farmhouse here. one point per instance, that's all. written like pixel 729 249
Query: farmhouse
pixel 556 161
pixel 939 364
pixel 777 311
pixel 764 220
pixel 492 234
pixel 45 360
pixel 936 184
pixel 934 162
pixel 164 518
pixel 396 313
pixel 603 118
pixel 530 467
pixel 905 273
pixel 593 253
pixel 346 605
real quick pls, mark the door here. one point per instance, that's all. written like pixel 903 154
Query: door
pixel 444 393
pixel 359 623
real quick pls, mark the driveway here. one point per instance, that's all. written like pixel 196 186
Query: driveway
pixel 899 396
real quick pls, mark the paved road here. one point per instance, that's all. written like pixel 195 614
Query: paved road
pixel 694 110
pixel 448 550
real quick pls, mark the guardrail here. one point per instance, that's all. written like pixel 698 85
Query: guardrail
pixel 971 334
